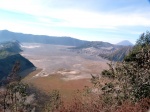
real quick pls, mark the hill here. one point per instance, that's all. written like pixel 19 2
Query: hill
pixel 104 49
pixel 6 35
pixel 117 55
pixel 9 55
pixel 96 47
pixel 125 43
pixel 9 48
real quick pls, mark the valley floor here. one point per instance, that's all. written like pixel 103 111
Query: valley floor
pixel 60 68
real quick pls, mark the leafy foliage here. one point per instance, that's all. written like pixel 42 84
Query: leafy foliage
pixel 54 102
pixel 132 76
pixel 141 106
pixel 14 95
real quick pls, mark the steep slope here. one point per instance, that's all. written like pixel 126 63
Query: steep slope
pixel 6 35
pixel 9 55
pixel 104 49
pixel 118 55
pixel 95 44
pixel 125 43
pixel 6 64
pixel 96 48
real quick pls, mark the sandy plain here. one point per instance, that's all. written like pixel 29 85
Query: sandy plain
pixel 58 67
pixel 58 59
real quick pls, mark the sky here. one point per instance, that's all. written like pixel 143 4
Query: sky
pixel 94 20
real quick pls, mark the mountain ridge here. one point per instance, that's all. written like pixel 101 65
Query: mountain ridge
pixel 106 50
pixel 6 35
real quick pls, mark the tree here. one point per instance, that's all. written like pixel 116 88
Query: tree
pixel 13 93
pixel 131 78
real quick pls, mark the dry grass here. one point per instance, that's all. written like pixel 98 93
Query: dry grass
pixel 67 88
pixel 53 82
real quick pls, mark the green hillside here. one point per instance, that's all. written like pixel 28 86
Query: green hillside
pixel 9 55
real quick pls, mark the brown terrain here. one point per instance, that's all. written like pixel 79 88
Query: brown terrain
pixel 60 68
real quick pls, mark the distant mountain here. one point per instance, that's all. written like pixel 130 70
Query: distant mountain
pixel 104 49
pixel 95 44
pixel 6 35
pixel 9 55
pixel 125 43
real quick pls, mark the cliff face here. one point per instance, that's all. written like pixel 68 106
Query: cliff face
pixel 9 55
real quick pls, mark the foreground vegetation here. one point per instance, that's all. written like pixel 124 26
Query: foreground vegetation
pixel 128 89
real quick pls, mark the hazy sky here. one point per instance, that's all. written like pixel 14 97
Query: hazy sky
pixel 102 20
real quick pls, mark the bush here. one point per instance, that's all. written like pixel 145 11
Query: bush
pixel 129 80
